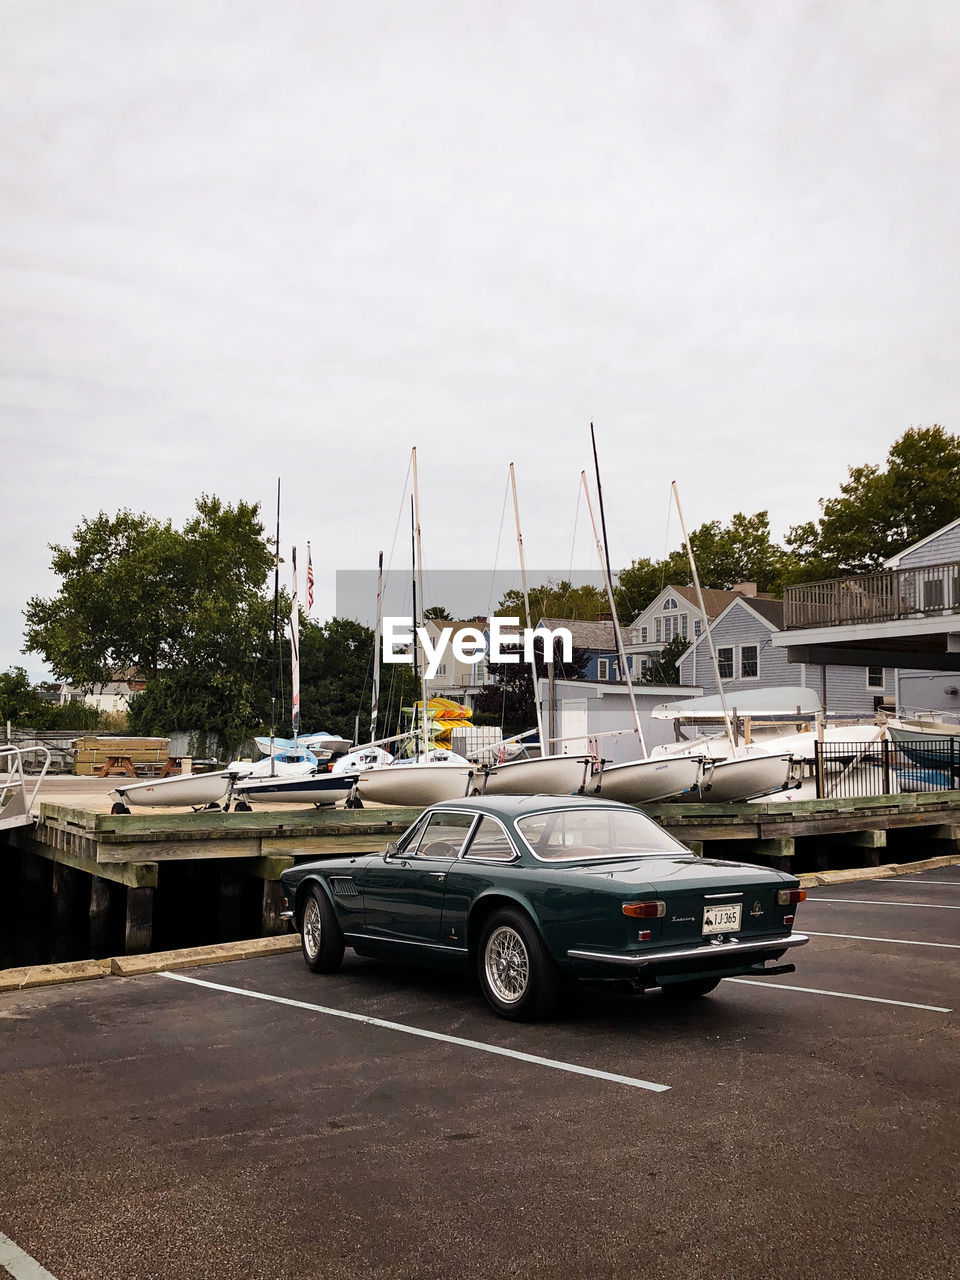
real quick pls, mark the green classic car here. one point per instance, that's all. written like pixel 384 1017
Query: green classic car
pixel 532 891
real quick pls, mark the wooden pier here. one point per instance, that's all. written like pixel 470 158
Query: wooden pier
pixel 131 879
pixel 119 862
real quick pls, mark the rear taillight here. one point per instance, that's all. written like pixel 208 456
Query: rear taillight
pixel 644 910
pixel 786 897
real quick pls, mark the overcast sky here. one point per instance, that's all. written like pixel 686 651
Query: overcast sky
pixel 242 241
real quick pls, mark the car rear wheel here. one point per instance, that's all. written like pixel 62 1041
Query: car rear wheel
pixel 321 937
pixel 690 990
pixel 517 975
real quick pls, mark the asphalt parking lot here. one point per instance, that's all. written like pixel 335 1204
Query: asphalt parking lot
pixel 803 1125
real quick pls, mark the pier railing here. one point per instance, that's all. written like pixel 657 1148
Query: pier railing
pixel 847 769
pixel 873 597
pixel 16 794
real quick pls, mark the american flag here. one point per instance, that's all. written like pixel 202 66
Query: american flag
pixel 309 580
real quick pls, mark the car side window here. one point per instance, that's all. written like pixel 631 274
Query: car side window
pixel 490 842
pixel 443 836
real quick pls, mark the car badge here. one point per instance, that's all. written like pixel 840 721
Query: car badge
pixel 756 909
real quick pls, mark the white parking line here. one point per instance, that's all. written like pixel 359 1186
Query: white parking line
pixel 881 902
pixel 901 942
pixel 19 1264
pixel 426 1035
pixel 842 995
pixel 917 880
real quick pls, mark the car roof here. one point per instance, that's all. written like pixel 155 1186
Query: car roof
pixel 513 807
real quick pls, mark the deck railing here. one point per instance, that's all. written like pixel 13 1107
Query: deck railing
pixel 873 597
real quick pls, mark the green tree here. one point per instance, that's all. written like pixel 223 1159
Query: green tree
pixel 555 600
pixel 666 668
pixel 20 703
pixel 880 511
pixel 185 607
pixel 741 551
pixel 437 613
pixel 136 592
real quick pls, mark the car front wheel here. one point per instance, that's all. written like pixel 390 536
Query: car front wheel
pixel 518 977
pixel 320 934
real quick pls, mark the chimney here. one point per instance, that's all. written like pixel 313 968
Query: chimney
pixel 746 588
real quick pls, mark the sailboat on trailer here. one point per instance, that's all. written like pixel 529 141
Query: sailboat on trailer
pixel 747 772
pixel 545 774
pixel 646 780
pixel 434 774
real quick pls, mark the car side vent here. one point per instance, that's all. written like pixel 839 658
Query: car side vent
pixel 344 887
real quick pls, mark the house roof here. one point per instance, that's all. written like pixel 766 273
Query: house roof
pixel 585 635
pixel 714 600
pixel 894 561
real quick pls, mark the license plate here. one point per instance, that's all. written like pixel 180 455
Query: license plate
pixel 722 919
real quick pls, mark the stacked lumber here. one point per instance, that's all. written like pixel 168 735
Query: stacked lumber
pixel 93 753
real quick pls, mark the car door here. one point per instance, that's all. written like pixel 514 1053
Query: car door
pixel 403 893
pixel 484 863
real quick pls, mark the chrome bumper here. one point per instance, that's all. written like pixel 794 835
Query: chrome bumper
pixel 286 915
pixel 706 951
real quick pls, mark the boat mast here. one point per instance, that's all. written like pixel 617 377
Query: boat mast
pixel 544 746
pixel 276 639
pixel 375 689
pixel 706 622
pixel 413 570
pixel 419 545
pixel 618 635
pixel 295 655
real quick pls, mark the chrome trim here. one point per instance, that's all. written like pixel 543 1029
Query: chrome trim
pixel 711 949
pixel 409 942
pixel 286 915
pixel 707 897
pixel 436 812
pixel 466 855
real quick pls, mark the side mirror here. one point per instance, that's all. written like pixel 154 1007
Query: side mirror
pixel 390 851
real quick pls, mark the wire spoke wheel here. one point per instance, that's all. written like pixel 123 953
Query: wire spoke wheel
pixel 312 928
pixel 507 964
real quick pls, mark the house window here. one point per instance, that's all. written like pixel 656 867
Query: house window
pixel 683 625
pixel 643 635
pixel 748 662
pixel 669 603
pixel 933 593
pixel 603 669
pixel 657 625
pixel 697 626
pixel 671 627
pixel 725 662
pixel 875 678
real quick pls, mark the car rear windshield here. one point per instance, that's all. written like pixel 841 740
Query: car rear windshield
pixel 566 835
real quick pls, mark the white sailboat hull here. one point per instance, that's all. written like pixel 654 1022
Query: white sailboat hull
pixel 543 775
pixel 748 777
pixel 645 781
pixel 189 790
pixel 416 784
pixel 322 789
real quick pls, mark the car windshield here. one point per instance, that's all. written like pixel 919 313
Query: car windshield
pixel 566 835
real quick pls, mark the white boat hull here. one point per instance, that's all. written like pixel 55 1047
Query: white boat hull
pixel 748 778
pixel 542 775
pixel 416 784
pixel 325 789
pixel 645 781
pixel 189 790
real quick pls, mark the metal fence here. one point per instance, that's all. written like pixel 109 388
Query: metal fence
pixel 844 769
pixel 873 597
